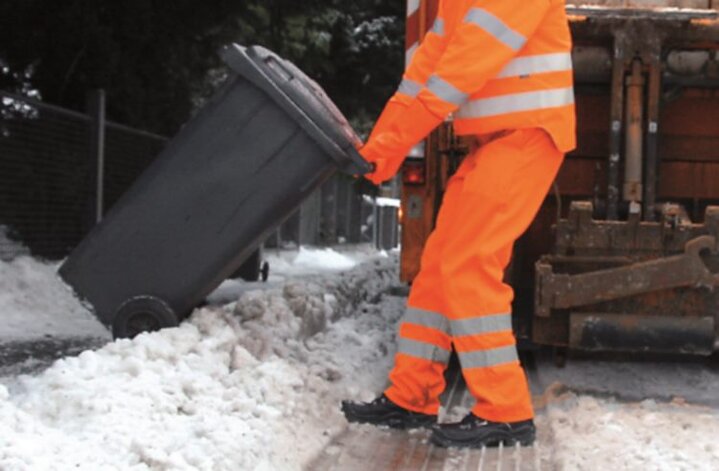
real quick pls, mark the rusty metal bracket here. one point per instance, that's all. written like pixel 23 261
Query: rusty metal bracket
pixel 654 14
pixel 564 291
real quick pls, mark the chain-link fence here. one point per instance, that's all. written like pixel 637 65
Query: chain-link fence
pixel 48 173
pixel 51 159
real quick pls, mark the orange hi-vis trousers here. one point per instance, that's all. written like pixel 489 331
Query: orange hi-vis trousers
pixel 459 298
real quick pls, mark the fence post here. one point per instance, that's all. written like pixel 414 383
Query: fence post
pixel 343 210
pixel 96 111
pixel 355 221
pixel 386 227
pixel 310 213
pixel 290 233
pixel 328 217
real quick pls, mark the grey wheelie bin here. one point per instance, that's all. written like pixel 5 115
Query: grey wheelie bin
pixel 266 140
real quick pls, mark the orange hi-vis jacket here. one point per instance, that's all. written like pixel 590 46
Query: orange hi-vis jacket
pixel 496 65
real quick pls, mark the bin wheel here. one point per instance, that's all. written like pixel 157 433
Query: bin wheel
pixel 265 271
pixel 142 314
pixel 250 270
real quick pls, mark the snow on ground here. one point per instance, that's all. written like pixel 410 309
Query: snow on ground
pixel 591 433
pixel 40 319
pixel 305 262
pixel 34 303
pixel 316 260
pixel 631 415
pixel 254 379
pixel 253 384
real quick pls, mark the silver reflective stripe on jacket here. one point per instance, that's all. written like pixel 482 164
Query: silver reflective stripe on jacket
pixel 488 358
pixel 481 325
pixel 446 91
pixel 517 102
pixel 409 87
pixel 496 28
pixel 438 27
pixel 537 64
pixel 426 351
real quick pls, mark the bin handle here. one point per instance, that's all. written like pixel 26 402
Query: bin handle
pixel 277 63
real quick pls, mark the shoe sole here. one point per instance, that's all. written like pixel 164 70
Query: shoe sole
pixel 395 421
pixel 524 439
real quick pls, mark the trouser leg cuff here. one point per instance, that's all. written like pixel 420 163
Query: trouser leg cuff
pixel 394 396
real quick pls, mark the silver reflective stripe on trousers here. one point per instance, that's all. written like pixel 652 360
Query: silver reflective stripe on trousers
pixel 446 91
pixel 423 350
pixel 438 27
pixel 487 358
pixel 528 101
pixel 409 87
pixel 537 64
pixel 459 327
pixel 424 318
pixel 481 325
pixel 495 27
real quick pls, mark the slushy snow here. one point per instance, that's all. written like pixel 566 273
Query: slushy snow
pixel 254 384
pixel 254 381
pixel 590 433
pixel 34 303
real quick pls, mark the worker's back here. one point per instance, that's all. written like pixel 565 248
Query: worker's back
pixel 535 89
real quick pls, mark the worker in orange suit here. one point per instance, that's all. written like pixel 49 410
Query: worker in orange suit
pixel 503 70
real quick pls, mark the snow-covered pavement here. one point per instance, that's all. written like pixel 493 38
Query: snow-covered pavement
pixel 631 415
pixel 254 380
pixel 253 384
pixel 40 319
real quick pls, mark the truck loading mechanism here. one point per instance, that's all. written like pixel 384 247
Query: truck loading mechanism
pixel 623 255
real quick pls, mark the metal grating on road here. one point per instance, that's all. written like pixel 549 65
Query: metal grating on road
pixel 363 447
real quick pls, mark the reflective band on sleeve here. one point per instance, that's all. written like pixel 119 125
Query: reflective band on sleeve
pixel 426 319
pixel 410 54
pixel 537 64
pixel 409 87
pixel 495 27
pixel 426 351
pixel 528 101
pixel 438 27
pixel 446 91
pixel 487 358
pixel 481 325
pixel 412 6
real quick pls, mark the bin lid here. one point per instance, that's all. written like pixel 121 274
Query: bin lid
pixel 303 99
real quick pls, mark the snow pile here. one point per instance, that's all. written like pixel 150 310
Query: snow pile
pixel 307 261
pixel 591 433
pixel 251 385
pixel 327 258
pixel 35 303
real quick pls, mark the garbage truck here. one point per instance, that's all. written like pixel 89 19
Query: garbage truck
pixel 624 254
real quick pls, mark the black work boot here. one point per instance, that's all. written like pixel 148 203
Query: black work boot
pixel 474 432
pixel 382 411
